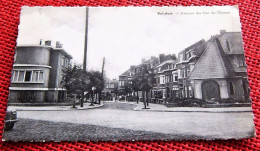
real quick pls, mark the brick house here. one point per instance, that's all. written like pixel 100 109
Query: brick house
pixel 187 59
pixel 38 72
pixel 110 90
pixel 165 74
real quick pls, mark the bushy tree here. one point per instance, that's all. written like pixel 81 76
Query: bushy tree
pixel 143 81
pixel 76 81
pixel 96 80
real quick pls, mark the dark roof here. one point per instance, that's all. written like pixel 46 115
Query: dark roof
pixel 165 66
pixel 126 73
pixel 231 42
pixel 193 45
pixel 212 63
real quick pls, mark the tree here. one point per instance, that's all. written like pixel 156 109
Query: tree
pixel 76 81
pixel 144 80
pixel 96 80
pixel 136 87
pixel 115 90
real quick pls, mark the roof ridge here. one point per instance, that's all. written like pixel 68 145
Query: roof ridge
pixel 206 49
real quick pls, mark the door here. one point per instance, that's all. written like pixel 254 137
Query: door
pixel 210 90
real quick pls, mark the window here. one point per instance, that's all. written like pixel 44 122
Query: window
pixel 241 61
pixel 181 57
pixel 175 78
pixel 179 73
pixel 27 76
pixel 112 86
pixel 163 80
pixel 188 71
pixel 183 72
pixel 228 46
pixel 62 61
pixel 188 55
pixel 186 91
pixel 231 88
pixel 190 92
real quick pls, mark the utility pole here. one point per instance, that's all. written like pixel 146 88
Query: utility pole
pixel 85 55
pixel 86 41
pixel 103 65
pixel 102 73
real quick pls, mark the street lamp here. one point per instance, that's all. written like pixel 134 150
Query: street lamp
pixel 93 92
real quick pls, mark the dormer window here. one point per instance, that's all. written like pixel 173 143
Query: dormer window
pixel 228 46
pixel 241 61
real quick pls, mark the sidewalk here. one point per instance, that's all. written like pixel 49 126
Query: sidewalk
pixel 162 108
pixel 53 108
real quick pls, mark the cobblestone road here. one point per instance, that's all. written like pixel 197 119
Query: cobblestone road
pixel 115 115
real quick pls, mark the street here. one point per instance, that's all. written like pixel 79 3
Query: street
pixel 128 123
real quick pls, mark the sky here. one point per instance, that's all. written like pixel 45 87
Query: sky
pixel 125 35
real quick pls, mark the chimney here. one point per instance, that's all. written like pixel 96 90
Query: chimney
pixel 143 60
pixel 41 42
pixel 58 44
pixel 174 56
pixel 222 31
pixel 153 58
pixel 48 43
pixel 161 58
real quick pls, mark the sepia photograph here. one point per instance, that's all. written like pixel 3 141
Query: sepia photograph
pixel 129 74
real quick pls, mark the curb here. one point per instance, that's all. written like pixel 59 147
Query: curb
pixel 67 108
pixel 248 109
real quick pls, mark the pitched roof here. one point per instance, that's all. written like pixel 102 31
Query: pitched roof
pixel 212 63
pixel 232 42
pixel 126 73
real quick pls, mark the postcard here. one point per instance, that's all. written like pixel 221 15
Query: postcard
pixel 129 74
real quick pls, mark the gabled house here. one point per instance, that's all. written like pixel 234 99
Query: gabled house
pixel 186 62
pixel 220 73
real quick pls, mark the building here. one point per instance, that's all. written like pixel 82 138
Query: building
pixel 220 73
pixel 111 89
pixel 126 78
pixel 209 70
pixel 187 59
pixel 38 72
pixel 165 78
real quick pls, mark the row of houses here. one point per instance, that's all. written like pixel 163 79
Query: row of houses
pixel 207 70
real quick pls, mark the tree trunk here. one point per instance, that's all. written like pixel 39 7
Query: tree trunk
pixel 137 98
pixel 99 98
pixel 144 99
pixel 147 102
pixel 92 99
pixel 82 99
